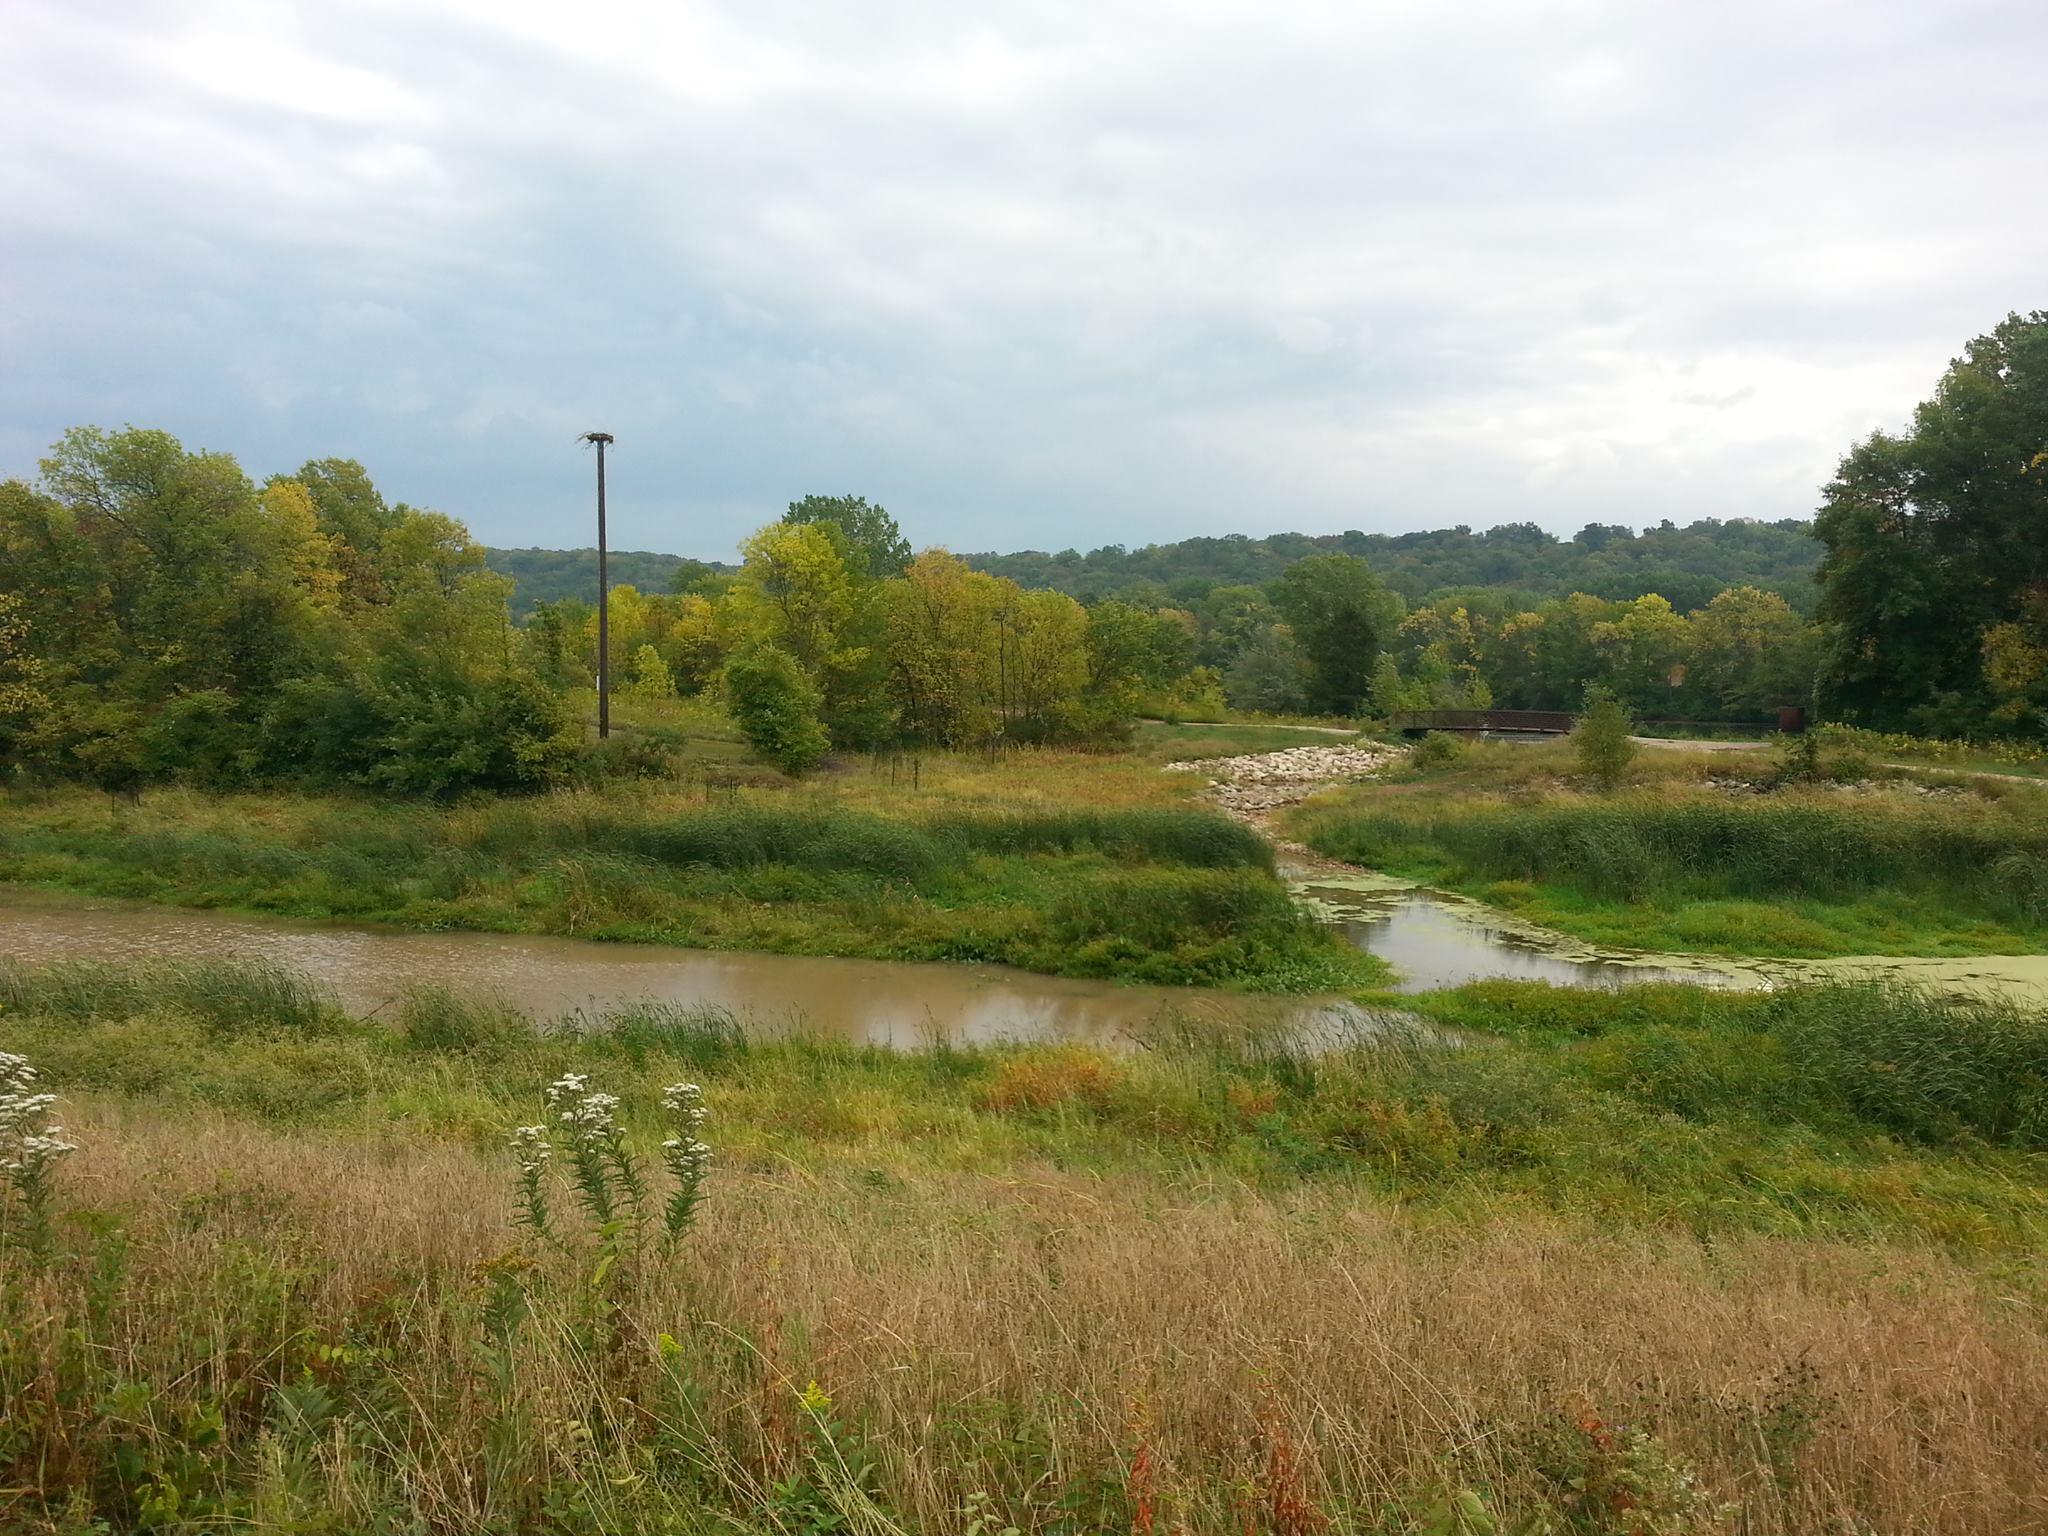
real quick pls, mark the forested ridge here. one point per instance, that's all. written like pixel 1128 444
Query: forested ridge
pixel 549 575
pixel 1687 565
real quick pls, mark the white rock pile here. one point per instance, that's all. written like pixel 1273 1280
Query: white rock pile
pixel 1260 781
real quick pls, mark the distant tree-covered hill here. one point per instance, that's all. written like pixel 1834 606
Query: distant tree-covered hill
pixel 1686 565
pixel 546 575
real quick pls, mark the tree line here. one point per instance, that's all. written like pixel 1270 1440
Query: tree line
pixel 832 634
pixel 549 575
pixel 1918 600
pixel 1687 565
pixel 163 616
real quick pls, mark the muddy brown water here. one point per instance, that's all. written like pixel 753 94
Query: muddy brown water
pixel 879 1002
pixel 1430 939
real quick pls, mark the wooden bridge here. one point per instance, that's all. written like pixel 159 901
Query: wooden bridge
pixel 1558 722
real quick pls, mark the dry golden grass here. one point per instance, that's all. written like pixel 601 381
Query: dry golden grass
pixel 1252 1361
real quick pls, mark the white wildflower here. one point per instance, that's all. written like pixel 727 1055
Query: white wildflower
pixel 687 1158
pixel 31 1144
pixel 23 1109
pixel 686 1102
pixel 570 1085
pixel 35 1152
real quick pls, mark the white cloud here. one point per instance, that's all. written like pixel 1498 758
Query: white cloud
pixel 1070 274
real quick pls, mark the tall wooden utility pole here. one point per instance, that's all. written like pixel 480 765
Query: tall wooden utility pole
pixel 604 600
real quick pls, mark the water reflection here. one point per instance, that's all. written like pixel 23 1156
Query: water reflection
pixel 1431 944
pixel 866 1001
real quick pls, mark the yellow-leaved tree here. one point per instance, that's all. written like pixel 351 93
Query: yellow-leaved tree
pixel 941 629
pixel 796 593
pixel 22 700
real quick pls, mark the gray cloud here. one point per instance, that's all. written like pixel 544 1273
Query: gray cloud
pixel 1046 275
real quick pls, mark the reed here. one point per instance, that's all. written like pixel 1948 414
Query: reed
pixel 1927 869
pixel 947 879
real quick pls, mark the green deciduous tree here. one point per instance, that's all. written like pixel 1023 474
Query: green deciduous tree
pixel 1270 675
pixel 775 702
pixel 1342 617
pixel 1602 737
pixel 1751 654
pixel 1935 539
pixel 184 624
pixel 1643 652
pixel 872 542
pixel 650 677
pixel 797 593
pixel 942 628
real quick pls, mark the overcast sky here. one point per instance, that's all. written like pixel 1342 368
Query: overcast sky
pixel 1033 276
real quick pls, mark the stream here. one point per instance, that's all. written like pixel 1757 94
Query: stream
pixel 1431 940
pixel 875 1002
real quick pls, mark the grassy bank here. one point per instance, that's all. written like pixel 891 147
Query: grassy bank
pixel 1839 1109
pixel 1166 892
pixel 1676 862
pixel 1649 1252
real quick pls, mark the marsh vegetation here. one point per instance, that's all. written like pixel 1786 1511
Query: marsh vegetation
pixel 1733 1260
pixel 1711 852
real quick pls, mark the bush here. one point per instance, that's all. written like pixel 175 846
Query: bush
pixel 776 705
pixel 511 733
pixel 1600 737
pixel 641 755
pixel 1178 925
pixel 1797 757
pixel 1439 749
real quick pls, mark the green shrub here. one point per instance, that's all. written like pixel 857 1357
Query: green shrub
pixel 1796 757
pixel 1601 738
pixel 641 755
pixel 1181 925
pixel 1438 749
pixel 511 733
pixel 777 705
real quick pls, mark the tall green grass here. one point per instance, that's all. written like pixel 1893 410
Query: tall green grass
pixel 1823 1108
pixel 1180 895
pixel 366 843
pixel 1641 847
